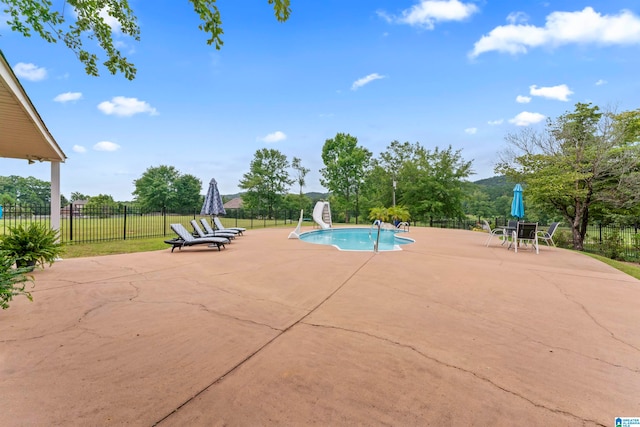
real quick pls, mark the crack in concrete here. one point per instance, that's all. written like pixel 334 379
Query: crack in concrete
pixel 265 345
pixel 586 356
pixel 588 313
pixel 525 336
pixel 461 369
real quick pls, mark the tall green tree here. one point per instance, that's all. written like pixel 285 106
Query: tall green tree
pixel 584 162
pixel 76 195
pixel 392 160
pixel 165 187
pixel 433 184
pixel 300 178
pixel 88 22
pixel 267 181
pixel 188 188
pixel 28 191
pixel 345 171
pixel 102 205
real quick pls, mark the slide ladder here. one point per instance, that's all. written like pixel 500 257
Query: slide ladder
pixel 322 214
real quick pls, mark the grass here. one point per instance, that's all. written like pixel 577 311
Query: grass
pixel 135 227
pixel 631 269
pixel 79 250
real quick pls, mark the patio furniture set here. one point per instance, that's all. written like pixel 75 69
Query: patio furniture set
pixel 521 234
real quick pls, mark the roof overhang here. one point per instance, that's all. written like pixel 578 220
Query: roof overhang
pixel 23 134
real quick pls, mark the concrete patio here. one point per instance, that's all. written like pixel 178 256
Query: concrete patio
pixel 272 331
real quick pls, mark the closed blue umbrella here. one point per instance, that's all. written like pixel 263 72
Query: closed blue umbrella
pixel 213 201
pixel 517 205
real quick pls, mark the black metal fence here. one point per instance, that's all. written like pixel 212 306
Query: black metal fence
pixel 87 223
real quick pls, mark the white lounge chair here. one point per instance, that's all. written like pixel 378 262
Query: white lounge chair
pixel 201 233
pixel 221 227
pixel 209 230
pixel 186 239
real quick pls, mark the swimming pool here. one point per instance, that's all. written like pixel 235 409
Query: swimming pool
pixel 357 239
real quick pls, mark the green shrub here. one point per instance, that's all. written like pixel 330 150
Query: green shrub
pixel 34 245
pixel 12 282
pixel 613 246
pixel 563 238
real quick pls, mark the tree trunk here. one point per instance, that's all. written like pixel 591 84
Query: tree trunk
pixel 578 240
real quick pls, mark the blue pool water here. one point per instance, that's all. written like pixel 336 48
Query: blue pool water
pixel 356 239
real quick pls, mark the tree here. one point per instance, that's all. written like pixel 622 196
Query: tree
pixel 267 181
pixel 346 167
pixel 164 187
pixel 301 173
pixel 76 195
pixel 102 205
pixel 187 188
pixel 477 202
pixel 432 183
pixel 27 191
pixel 583 162
pixel 90 22
pixel 392 160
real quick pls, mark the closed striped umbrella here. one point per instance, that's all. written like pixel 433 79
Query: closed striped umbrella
pixel 213 201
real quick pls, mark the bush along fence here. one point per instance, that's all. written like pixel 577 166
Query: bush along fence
pixel 86 224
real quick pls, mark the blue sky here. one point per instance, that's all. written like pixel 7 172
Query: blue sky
pixel 455 72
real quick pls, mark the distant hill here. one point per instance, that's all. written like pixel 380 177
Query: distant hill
pixel 315 196
pixel 496 186
pixel 493 181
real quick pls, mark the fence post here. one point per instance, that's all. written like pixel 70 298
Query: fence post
pixel 71 221
pixel 164 221
pixel 600 232
pixel 124 236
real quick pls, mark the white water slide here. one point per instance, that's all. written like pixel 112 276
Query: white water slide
pixel 322 214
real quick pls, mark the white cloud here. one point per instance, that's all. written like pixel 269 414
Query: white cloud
pixel 273 137
pixel 584 27
pixel 517 18
pixel 471 131
pixel 523 99
pixel 495 122
pixel 601 82
pixel 122 106
pixel 526 118
pixel 366 80
pixel 106 146
pixel 559 92
pixel 79 149
pixel 427 12
pixel 68 96
pixel 30 71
